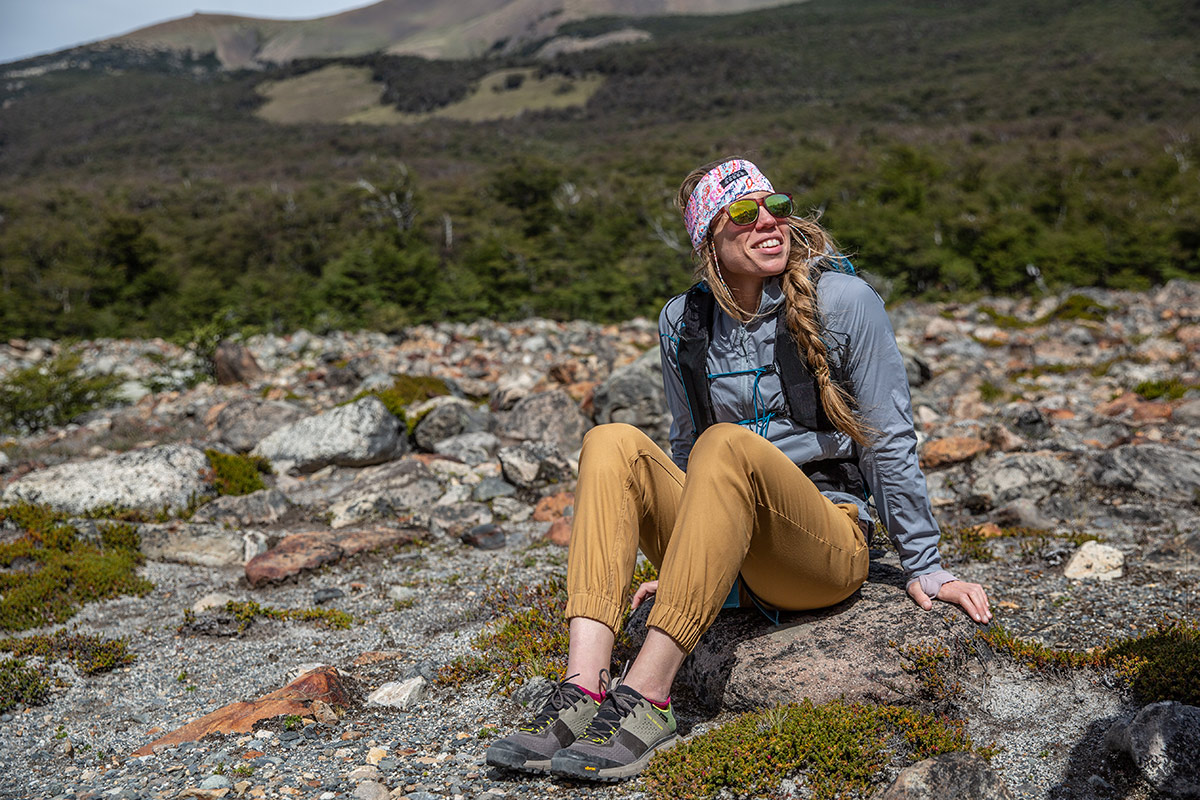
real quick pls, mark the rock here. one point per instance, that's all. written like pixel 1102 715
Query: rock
pixel 449 416
pixel 946 776
pixel 547 417
pixel 1161 471
pixel 1032 476
pixel 400 694
pixel 560 531
pixel 916 368
pixel 489 536
pixel 513 510
pixel 244 423
pixel 298 697
pixel 1163 740
pixel 469 448
pixel 743 662
pixel 328 594
pixel 304 551
pixel 212 600
pixel 205 545
pixel 352 511
pixel 1187 413
pixel 367 772
pixel 457 518
pixel 491 488
pixel 355 435
pixel 554 506
pixel 233 363
pixel 634 394
pixel 264 507
pixel 1023 513
pixel 166 476
pixel 371 790
pixel 951 450
pixel 215 782
pixel 375 755
pixel 405 485
pixel 1095 560
pixel 533 464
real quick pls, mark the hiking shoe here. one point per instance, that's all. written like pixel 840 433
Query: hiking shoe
pixel 565 714
pixel 626 731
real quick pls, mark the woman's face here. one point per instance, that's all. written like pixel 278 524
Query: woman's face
pixel 750 253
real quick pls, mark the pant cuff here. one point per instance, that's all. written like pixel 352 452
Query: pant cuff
pixel 675 623
pixel 595 607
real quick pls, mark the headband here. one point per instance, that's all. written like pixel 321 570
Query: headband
pixel 718 188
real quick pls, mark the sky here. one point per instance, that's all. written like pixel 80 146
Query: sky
pixel 32 27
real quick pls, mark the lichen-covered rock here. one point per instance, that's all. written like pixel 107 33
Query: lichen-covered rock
pixel 355 435
pixel 449 416
pixel 945 776
pixel 469 448
pixel 1033 476
pixel 244 423
pixel 533 464
pixel 1163 740
pixel 263 507
pixel 1169 473
pixel 168 476
pixel 204 545
pixel 1095 560
pixel 634 394
pixel 547 417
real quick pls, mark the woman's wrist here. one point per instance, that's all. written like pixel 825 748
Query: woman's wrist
pixel 932 582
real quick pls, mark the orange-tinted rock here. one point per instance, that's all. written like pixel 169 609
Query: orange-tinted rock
pixel 988 530
pixel 552 507
pixel 560 531
pixel 1189 336
pixel 309 550
pixel 1151 412
pixel 1120 405
pixel 951 450
pixel 1057 413
pixel 324 685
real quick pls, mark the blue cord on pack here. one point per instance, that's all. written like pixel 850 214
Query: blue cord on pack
pixel 761 419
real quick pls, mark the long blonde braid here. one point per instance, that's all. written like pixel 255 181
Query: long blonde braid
pixel 810 244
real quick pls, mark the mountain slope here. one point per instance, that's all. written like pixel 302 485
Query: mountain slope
pixel 429 28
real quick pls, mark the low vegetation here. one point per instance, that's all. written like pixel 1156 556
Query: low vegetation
pixel 833 750
pixel 245 612
pixel 90 654
pixel 236 474
pixel 52 571
pixel 50 394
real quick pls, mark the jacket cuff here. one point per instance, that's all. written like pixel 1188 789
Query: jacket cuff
pixel 932 583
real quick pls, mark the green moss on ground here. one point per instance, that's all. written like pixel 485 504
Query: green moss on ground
pixel 237 475
pixel 52 393
pixel 89 653
pixel 21 685
pixel 246 611
pixel 404 391
pixel 63 572
pixel 1171 389
pixel 834 750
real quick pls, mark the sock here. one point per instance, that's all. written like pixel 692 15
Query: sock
pixel 599 698
pixel 659 704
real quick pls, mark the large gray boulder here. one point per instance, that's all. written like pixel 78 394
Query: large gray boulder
pixel 533 464
pixel 1030 476
pixel 244 423
pixel 449 416
pixel 355 435
pixel 167 476
pixel 1163 740
pixel 264 507
pixel 546 417
pixel 1169 473
pixel 204 545
pixel 634 394
pixel 946 776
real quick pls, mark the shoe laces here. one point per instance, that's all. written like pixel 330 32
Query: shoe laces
pixel 614 709
pixel 557 697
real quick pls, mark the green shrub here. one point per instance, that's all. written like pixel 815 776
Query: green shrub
pixel 91 654
pixel 838 750
pixel 237 475
pixel 406 390
pixel 45 395
pixel 246 611
pixel 1078 307
pixel 68 572
pixel 1170 389
pixel 20 685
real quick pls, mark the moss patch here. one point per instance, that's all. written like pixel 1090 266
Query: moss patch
pixel 1171 389
pixel 237 475
pixel 404 391
pixel 834 750
pixel 21 685
pixel 50 394
pixel 60 572
pixel 245 612
pixel 90 654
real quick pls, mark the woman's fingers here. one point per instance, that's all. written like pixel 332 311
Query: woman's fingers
pixel 643 592
pixel 918 595
pixel 971 596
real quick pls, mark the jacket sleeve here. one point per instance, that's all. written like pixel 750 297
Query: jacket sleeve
pixel 682 434
pixel 855 313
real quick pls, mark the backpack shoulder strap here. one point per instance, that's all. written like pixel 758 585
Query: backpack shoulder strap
pixel 692 355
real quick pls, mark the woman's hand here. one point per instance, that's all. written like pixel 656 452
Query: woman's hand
pixel 970 596
pixel 644 592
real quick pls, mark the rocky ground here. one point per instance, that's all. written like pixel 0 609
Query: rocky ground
pixel 1033 437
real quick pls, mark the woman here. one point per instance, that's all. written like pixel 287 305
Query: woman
pixel 790 404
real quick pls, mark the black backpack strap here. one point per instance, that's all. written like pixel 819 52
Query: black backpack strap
pixel 799 384
pixel 692 355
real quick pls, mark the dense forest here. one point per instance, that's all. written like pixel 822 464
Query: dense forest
pixel 953 147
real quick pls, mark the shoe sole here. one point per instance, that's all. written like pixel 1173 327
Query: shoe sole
pixel 580 770
pixel 508 759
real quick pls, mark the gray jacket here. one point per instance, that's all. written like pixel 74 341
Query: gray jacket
pixel 853 314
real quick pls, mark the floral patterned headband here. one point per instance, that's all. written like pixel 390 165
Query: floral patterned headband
pixel 721 186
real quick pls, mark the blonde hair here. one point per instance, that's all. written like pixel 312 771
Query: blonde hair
pixel 810 244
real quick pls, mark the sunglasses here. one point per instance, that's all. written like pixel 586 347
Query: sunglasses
pixel 745 211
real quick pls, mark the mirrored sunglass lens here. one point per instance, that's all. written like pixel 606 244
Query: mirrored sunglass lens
pixel 780 205
pixel 743 212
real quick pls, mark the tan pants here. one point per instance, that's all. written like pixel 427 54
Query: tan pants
pixel 742 505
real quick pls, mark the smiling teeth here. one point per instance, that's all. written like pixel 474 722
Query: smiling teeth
pixel 769 243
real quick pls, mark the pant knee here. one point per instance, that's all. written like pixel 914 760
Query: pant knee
pixel 722 441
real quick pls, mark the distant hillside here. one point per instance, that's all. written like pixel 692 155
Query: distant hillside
pixel 429 28
pixel 954 147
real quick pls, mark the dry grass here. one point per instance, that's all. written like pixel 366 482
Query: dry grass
pixel 331 94
pixel 493 100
